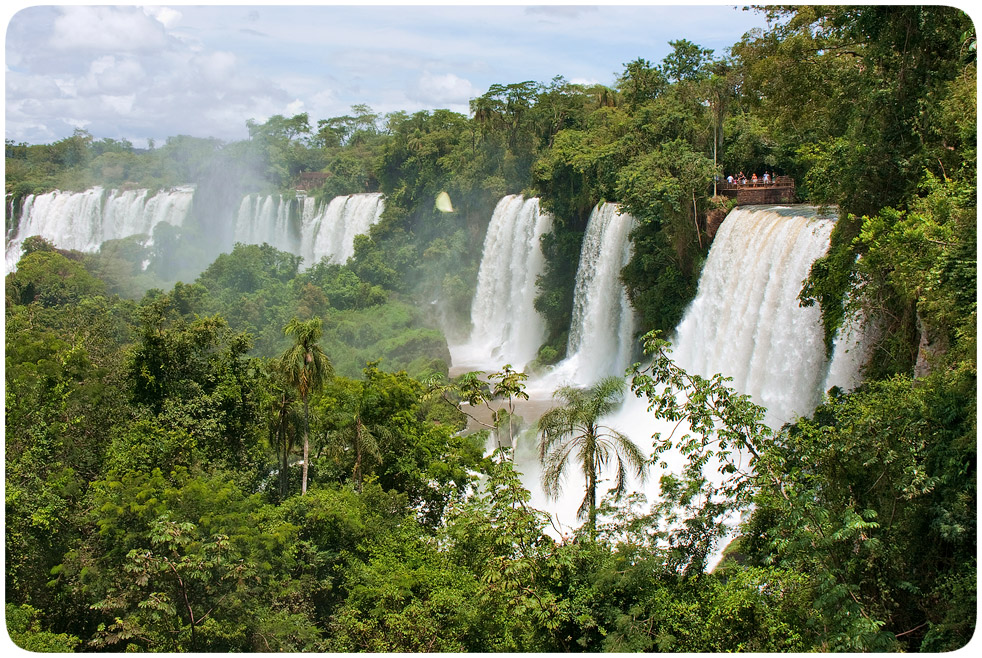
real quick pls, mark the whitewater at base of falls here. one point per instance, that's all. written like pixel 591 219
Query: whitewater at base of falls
pixel 84 220
pixel 506 328
pixel 632 419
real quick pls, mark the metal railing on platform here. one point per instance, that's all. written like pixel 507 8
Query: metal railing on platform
pixel 779 181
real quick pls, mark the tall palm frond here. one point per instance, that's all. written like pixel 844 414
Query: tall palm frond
pixel 359 438
pixel 306 367
pixel 572 431
pixel 285 422
pixel 305 363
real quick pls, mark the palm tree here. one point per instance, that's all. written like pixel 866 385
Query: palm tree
pixel 572 432
pixel 355 435
pixel 284 420
pixel 306 367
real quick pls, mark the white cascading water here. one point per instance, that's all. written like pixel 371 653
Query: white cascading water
pixel 330 232
pixel 266 219
pixel 84 220
pixel 745 323
pixel 850 351
pixel 601 334
pixel 506 328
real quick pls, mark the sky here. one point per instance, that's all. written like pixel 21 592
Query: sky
pixel 141 72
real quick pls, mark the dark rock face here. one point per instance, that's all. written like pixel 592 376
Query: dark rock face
pixel 714 218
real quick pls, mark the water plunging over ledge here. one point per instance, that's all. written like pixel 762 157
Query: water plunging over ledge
pixel 601 334
pixel 506 328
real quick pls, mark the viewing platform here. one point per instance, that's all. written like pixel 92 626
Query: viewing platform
pixel 308 180
pixel 748 193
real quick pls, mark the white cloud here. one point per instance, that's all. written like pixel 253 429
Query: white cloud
pixel 139 72
pixel 168 17
pixel 77 123
pixel 294 108
pixel 111 75
pixel 116 29
pixel 121 105
pixel 440 90
pixel 322 104
pixel 586 82
pixel 325 97
pixel 560 11
pixel 121 72
pixel 215 68
pixel 67 86
pixel 20 86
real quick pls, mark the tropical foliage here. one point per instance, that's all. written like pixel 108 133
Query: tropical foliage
pixel 183 475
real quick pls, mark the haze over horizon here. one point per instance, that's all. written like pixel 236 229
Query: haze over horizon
pixel 140 73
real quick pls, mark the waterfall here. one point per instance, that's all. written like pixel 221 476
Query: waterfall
pixel 331 232
pixel 603 321
pixel 745 321
pixel 601 343
pixel 601 335
pixel 308 229
pixel 266 219
pixel 850 351
pixel 506 328
pixel 84 220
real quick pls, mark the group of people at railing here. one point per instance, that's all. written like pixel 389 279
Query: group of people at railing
pixel 741 179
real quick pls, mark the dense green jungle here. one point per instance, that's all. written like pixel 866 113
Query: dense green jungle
pixel 239 454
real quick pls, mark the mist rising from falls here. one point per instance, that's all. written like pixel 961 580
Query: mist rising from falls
pixel 506 328
pixel 84 220
pixel 601 334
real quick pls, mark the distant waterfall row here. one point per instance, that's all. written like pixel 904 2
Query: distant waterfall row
pixel 331 231
pixel 304 227
pixel 84 220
